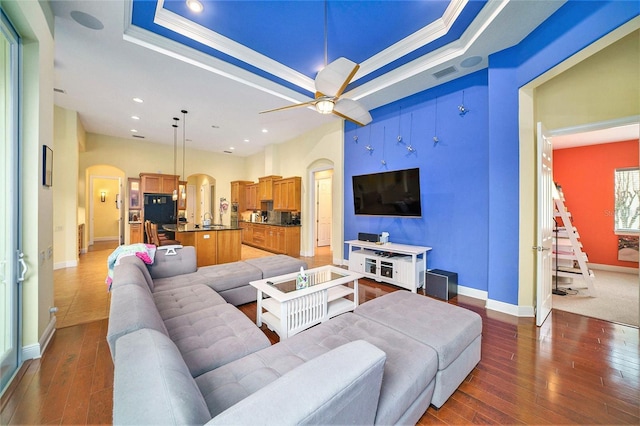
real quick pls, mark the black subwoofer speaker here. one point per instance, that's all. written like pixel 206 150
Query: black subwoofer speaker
pixel 442 284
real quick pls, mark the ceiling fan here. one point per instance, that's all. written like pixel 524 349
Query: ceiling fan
pixel 330 83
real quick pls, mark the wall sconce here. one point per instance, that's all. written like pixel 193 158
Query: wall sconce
pixel 103 196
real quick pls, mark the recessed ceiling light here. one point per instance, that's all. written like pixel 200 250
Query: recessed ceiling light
pixel 231 148
pixel 135 117
pixel 86 20
pixel 134 131
pixel 265 131
pixel 138 100
pixel 246 140
pixel 195 6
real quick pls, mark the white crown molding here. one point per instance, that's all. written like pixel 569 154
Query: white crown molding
pixel 201 60
pixel 435 58
pixel 422 37
pixel 225 45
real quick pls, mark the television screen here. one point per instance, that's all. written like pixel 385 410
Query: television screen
pixel 395 193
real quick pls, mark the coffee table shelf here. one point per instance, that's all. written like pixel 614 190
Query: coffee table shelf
pixel 287 311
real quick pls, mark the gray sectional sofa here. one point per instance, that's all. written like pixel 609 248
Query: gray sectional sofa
pixel 185 355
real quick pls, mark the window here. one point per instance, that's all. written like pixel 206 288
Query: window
pixel 627 200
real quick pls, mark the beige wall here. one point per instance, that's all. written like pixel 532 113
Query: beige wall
pixel 32 21
pixel 603 87
pixel 67 133
pixel 106 215
pixel 315 150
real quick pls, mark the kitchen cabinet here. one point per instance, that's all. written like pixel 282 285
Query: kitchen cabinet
pixel 273 238
pixel 135 233
pixel 239 193
pixel 247 232
pixel 287 194
pixel 252 197
pixel 155 183
pixel 265 187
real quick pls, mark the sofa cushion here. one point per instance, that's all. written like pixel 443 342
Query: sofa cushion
pixel 211 337
pixel 164 265
pixel 280 264
pixel 448 329
pixel 409 369
pixel 152 385
pixel 228 275
pixel 184 300
pixel 132 308
pixel 339 387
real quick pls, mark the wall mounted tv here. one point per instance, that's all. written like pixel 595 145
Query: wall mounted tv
pixel 393 193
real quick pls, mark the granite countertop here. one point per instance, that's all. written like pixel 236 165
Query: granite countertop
pixel 270 223
pixel 195 228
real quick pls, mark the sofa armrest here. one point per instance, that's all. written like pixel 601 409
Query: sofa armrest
pixel 341 386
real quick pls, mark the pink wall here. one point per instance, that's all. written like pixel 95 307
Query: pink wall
pixel 586 175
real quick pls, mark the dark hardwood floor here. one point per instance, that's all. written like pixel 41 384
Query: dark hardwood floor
pixel 572 370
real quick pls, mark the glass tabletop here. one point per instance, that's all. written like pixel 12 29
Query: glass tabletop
pixel 313 278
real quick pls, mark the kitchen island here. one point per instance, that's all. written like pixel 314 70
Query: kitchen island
pixel 214 244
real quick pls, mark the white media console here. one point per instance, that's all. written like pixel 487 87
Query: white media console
pixel 399 264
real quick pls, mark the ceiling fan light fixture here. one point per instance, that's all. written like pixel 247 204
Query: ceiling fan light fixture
pixel 325 106
pixel 195 5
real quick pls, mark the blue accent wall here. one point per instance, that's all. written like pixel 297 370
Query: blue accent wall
pixel 453 174
pixel 470 179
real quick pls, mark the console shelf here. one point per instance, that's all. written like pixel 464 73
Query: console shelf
pixel 398 264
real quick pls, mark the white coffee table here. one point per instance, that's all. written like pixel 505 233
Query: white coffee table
pixel 288 311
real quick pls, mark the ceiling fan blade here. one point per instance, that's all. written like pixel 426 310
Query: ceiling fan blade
pixel 353 111
pixel 289 107
pixel 333 79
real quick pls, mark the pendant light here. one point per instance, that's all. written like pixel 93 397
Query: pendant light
pixel 174 196
pixel 183 193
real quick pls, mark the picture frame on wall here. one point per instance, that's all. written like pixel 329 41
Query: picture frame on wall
pixel 47 166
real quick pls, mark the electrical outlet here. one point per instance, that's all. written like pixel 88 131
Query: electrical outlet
pixel 49 252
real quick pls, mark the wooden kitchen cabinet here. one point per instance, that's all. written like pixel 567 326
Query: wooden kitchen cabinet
pixel 252 197
pixel 229 246
pixel 154 183
pixel 287 194
pixel 265 187
pixel 135 233
pixel 273 238
pixel 239 193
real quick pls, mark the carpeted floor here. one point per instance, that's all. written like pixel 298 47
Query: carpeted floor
pixel 617 298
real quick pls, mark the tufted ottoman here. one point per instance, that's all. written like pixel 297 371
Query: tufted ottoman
pixel 453 332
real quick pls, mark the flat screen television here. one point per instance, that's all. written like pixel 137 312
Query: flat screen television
pixel 393 193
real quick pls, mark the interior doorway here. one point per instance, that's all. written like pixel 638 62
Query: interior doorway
pixel 324 206
pixel 106 221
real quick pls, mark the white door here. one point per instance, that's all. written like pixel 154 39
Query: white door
pixel 544 243
pixel 12 267
pixel 324 211
pixel 191 203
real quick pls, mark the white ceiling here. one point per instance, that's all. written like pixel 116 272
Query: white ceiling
pixel 607 134
pixel 101 71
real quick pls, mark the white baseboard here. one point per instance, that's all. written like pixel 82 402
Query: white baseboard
pixel 613 268
pixel 36 350
pixel 67 264
pixel 472 292
pixel 84 251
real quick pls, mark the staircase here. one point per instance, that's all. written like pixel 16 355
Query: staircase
pixel 571 261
